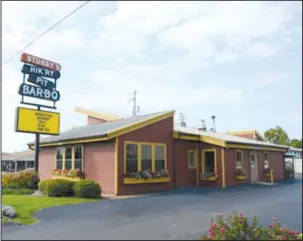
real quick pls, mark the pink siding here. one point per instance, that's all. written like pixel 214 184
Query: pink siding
pixel 99 164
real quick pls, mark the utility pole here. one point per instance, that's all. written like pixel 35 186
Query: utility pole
pixel 134 100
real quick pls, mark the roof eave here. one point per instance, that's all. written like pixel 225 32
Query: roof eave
pixel 112 134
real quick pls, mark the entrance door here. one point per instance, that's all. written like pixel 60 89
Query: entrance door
pixel 253 167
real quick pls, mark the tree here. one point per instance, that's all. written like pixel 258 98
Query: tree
pixel 296 143
pixel 277 136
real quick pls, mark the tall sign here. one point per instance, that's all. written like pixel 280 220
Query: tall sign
pixel 39 83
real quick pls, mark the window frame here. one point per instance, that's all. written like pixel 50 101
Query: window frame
pixel 215 159
pixel 266 152
pixel 73 156
pixel 195 159
pixel 242 163
pixel 139 153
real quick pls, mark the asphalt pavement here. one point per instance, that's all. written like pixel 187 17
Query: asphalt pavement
pixel 176 214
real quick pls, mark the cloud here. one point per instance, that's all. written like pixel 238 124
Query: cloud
pixel 171 52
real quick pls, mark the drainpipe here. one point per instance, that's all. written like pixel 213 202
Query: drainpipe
pixel 174 159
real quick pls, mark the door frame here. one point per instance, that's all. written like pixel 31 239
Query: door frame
pixel 256 165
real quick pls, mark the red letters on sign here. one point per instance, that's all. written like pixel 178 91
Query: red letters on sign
pixel 27 58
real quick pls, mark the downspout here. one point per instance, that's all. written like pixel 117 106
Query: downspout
pixel 174 158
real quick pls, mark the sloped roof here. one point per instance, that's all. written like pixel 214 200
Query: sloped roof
pixel 225 137
pixel 96 114
pixel 252 132
pixel 99 130
pixel 26 155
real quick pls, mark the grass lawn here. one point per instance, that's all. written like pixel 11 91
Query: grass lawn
pixel 27 205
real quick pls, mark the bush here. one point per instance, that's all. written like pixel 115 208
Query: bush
pixel 19 191
pixel 237 227
pixel 28 178
pixel 56 187
pixel 87 189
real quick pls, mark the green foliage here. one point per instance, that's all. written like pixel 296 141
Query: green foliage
pixel 296 143
pixel 238 227
pixel 56 187
pixel 28 178
pixel 18 191
pixel 277 136
pixel 87 189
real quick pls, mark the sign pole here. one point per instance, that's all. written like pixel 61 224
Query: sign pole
pixel 37 147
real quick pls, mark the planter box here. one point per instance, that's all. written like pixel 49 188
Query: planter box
pixel 209 179
pixel 67 178
pixel 132 180
pixel 241 177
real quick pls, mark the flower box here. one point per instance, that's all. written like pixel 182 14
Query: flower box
pixel 133 180
pixel 67 178
pixel 241 177
pixel 209 179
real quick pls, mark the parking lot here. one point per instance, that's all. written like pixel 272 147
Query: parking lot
pixel 177 214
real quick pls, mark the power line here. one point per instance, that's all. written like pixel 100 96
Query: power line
pixel 45 32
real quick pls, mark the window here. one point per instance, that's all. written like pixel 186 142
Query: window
pixel 146 157
pixel 78 157
pixel 209 161
pixel 159 158
pixel 239 160
pixel 266 160
pixel 192 159
pixel 131 157
pixel 59 158
pixel 68 158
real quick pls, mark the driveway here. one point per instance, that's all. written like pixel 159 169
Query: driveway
pixel 177 214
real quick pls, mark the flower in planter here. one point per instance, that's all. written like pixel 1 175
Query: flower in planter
pixel 208 174
pixel 148 174
pixel 241 172
pixel 57 172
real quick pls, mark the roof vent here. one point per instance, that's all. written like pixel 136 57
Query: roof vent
pixel 202 125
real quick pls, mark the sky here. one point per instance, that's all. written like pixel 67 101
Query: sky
pixel 240 61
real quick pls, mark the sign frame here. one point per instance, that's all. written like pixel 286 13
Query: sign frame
pixel 38 132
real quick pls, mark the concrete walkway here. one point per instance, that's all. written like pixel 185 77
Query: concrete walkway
pixel 178 214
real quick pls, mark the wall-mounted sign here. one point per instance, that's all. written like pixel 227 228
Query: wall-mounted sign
pixel 38 92
pixel 30 59
pixel 35 121
pixel 30 69
pixel 42 82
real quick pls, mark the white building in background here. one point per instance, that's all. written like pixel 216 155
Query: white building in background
pixel 296 152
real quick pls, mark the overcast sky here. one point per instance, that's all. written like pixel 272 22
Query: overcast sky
pixel 240 61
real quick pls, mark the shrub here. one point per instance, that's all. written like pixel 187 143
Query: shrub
pixel 87 189
pixel 18 191
pixel 237 227
pixel 56 187
pixel 28 178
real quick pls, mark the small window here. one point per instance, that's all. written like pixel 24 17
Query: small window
pixel 68 158
pixel 131 158
pixel 266 160
pixel 146 157
pixel 239 163
pixel 78 157
pixel 159 158
pixel 59 158
pixel 192 159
